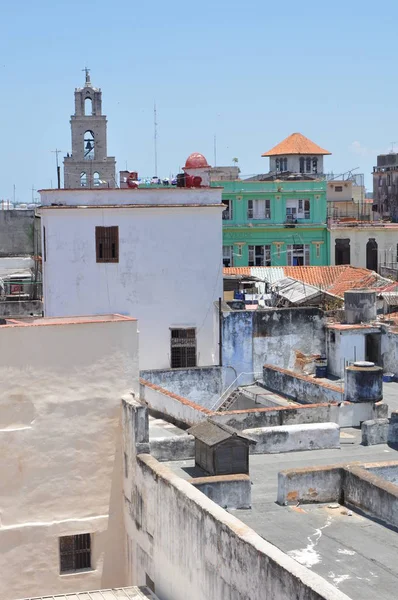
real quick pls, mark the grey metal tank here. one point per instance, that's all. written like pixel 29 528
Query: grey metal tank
pixel 363 382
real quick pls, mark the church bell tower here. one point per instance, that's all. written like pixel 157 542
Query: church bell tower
pixel 88 166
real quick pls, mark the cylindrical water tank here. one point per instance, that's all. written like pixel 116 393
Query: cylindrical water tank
pixel 363 382
pixel 360 306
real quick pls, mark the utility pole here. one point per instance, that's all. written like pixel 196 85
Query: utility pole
pixel 155 138
pixel 56 152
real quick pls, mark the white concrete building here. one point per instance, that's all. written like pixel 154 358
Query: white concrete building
pixel 151 253
pixel 368 246
pixel 60 461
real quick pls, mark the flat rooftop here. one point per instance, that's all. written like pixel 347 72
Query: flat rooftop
pixel 349 550
pixel 44 321
pixel 126 593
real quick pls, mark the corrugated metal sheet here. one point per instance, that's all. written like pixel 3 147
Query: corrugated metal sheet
pixel 128 593
pixel 296 292
pixel 270 274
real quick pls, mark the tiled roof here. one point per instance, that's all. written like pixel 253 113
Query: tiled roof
pixel 296 143
pixel 237 270
pixel 335 279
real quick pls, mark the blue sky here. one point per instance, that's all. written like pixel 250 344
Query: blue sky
pixel 250 72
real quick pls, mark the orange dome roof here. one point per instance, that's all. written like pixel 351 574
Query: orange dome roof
pixel 196 161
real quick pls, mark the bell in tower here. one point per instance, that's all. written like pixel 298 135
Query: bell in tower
pixel 88 165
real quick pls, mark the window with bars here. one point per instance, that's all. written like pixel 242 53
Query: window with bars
pixel 298 255
pixel 227 256
pixel 183 348
pixel 107 244
pixel 260 256
pixel 75 552
pixel 298 209
pixel 227 212
pixel 259 209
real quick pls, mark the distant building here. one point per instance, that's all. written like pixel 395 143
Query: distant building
pixel 347 200
pixel 151 253
pixel 385 186
pixel 89 166
pixel 278 218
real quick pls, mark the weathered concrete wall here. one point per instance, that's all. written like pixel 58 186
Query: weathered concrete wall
pixel 387 472
pixel 228 491
pixel 375 432
pixel 61 459
pixel 19 233
pixel 276 336
pixel 293 438
pixel 201 385
pixel 280 334
pixel 179 447
pixel 271 417
pixel 302 388
pixel 372 494
pixel 237 340
pixel 308 485
pixel 184 541
pixel 389 351
pixel 170 404
pixel 21 309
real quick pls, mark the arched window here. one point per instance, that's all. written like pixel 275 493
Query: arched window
pixel 283 164
pixel 315 165
pixel 83 179
pixel 302 165
pixel 88 106
pixel 88 147
pixel 96 179
pixel 308 165
pixel 277 164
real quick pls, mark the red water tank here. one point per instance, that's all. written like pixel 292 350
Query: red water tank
pixel 132 180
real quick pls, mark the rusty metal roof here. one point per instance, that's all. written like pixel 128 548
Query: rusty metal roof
pixel 211 433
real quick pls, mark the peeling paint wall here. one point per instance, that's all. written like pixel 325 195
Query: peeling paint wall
pixel 202 385
pixel 60 458
pixel 276 336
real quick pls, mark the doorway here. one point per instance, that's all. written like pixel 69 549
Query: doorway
pixel 342 253
pixel 372 348
pixel 371 255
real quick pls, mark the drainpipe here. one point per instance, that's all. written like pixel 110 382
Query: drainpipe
pixel 219 333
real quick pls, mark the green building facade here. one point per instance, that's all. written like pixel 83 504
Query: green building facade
pixel 274 223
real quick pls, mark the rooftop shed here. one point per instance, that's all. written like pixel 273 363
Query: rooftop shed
pixel 220 450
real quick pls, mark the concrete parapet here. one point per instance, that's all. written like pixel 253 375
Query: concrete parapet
pixel 375 432
pixel 308 485
pixel 178 447
pixel 299 387
pixel 292 438
pixel 228 491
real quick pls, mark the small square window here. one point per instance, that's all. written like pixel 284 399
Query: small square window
pixel 75 552
pixel 107 244
pixel 338 188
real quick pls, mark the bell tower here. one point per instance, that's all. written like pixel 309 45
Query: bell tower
pixel 88 165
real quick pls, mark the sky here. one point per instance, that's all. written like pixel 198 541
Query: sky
pixel 249 73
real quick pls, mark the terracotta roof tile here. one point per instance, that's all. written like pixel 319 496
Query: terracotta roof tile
pixel 296 143
pixel 323 277
pixel 237 270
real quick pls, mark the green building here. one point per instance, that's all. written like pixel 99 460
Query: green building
pixel 279 218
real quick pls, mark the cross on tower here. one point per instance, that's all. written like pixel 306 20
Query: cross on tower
pixel 87 71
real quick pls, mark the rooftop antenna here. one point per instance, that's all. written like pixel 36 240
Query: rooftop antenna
pixel 392 146
pixel 56 152
pixel 215 150
pixel 155 138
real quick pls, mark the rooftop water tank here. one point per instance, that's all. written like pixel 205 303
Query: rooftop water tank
pixel 363 382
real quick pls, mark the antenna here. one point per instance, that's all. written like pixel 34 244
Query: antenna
pixel 56 152
pixel 215 150
pixel 155 138
pixel 392 146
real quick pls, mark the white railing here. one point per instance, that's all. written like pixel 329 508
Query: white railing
pixel 230 389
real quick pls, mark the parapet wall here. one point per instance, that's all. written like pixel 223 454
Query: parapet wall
pixel 302 388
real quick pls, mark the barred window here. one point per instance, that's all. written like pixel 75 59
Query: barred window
pixel 183 348
pixel 75 552
pixel 107 244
